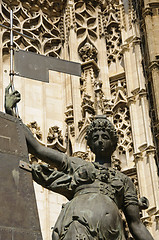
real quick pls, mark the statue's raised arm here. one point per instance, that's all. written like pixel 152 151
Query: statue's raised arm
pixel 50 156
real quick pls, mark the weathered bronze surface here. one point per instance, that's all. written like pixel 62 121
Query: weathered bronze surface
pixel 19 217
pixel 96 191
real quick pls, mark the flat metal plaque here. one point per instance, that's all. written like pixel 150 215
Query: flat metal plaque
pixel 36 66
pixel 18 210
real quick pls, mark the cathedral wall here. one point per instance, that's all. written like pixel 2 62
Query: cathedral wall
pixel 105 37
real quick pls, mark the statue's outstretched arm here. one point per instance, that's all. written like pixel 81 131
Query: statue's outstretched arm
pixel 137 228
pixel 50 156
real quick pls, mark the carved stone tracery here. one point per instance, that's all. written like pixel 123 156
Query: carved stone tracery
pixel 121 120
pixel 86 22
pixel 33 19
pixel 112 31
pixel 132 12
pixel 49 7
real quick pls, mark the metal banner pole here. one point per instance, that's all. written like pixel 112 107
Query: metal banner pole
pixel 11 50
pixel 11 58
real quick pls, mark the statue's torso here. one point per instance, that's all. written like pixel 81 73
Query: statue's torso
pixel 97 195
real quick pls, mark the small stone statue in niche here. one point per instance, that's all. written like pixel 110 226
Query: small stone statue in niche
pixel 95 191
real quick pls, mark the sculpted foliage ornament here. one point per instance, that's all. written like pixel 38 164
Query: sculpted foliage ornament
pixel 83 155
pixel 55 139
pixel 54 133
pixel 35 129
pixel 88 52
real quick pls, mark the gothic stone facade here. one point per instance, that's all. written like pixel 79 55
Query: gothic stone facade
pixel 116 41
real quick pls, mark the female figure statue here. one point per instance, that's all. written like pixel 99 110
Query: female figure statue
pixel 95 191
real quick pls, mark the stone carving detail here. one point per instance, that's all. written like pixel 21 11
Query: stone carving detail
pixel 108 106
pixel 94 2
pixel 69 114
pixel 54 133
pixel 83 155
pixel 87 155
pixel 86 22
pixel 102 104
pixel 132 13
pixel 87 105
pixel 88 52
pixel 99 97
pixel 55 139
pixel 112 31
pixel 122 17
pixel 36 19
pixel 67 23
pixel 121 120
pixel 122 123
pixel 50 7
pixel 70 120
pixel 72 129
pixel 35 129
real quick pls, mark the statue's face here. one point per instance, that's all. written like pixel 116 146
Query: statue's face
pixel 101 143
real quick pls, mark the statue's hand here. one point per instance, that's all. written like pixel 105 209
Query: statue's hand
pixel 143 203
pixel 11 99
pixel 41 173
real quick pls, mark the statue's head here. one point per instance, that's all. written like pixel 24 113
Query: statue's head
pixel 101 127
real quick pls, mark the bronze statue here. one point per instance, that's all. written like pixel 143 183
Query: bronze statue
pixel 95 191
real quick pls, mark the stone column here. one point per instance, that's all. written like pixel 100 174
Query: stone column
pixel 73 97
pixel 151 20
pixel 141 124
